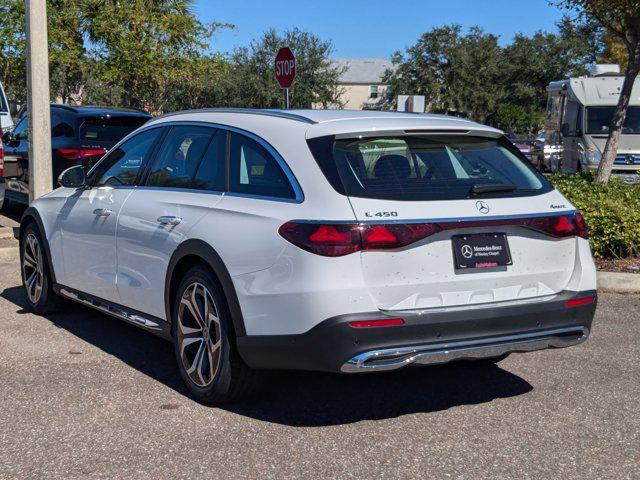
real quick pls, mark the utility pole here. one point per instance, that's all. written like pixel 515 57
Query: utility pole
pixel 38 104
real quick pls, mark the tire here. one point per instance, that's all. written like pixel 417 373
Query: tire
pixel 36 277
pixel 207 358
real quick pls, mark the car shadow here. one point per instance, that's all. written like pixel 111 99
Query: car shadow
pixel 304 399
pixel 13 211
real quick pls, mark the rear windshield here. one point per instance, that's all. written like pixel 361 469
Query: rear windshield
pixel 427 167
pixel 107 128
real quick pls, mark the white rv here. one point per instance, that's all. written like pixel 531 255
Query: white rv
pixel 579 113
pixel 6 123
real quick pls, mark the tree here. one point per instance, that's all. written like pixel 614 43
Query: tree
pixel 531 62
pixel 141 46
pixel 68 62
pixel 517 119
pixel 12 48
pixel 455 72
pixel 250 80
pixel 621 19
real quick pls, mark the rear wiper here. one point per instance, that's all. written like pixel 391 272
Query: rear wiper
pixel 492 187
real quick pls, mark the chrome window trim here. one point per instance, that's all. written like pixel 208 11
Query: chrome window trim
pixel 261 197
pixel 133 134
pixel 180 189
pixel 293 181
pixel 442 220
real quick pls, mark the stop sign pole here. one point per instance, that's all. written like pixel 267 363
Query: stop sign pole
pixel 285 70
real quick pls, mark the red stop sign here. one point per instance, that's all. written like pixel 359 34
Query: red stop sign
pixel 285 67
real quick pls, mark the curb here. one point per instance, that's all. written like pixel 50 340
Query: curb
pixel 9 254
pixel 619 282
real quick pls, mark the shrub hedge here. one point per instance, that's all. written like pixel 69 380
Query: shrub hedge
pixel 612 212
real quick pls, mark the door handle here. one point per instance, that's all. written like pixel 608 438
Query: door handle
pixel 169 220
pixel 102 212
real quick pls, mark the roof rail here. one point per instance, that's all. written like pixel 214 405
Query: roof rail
pixel 251 111
pixel 64 106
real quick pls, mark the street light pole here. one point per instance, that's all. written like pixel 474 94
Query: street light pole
pixel 38 103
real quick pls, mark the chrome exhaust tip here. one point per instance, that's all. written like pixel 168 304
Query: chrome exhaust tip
pixel 395 358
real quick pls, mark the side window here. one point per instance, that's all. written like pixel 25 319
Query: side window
pixel 254 171
pixel 20 132
pixel 121 167
pixel 211 172
pixel 60 128
pixel 579 120
pixel 180 157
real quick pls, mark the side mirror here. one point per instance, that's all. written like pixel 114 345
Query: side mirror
pixel 73 177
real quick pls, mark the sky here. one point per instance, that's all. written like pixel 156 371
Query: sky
pixel 372 28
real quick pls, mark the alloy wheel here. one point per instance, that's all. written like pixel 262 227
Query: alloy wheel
pixel 198 334
pixel 32 268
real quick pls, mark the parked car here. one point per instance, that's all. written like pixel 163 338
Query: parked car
pixel 79 136
pixel 536 155
pixel 525 145
pixel 6 122
pixel 315 240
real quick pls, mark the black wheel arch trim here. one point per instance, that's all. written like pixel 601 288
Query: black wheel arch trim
pixel 31 214
pixel 199 248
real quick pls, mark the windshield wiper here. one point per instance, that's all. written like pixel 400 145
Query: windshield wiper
pixel 492 187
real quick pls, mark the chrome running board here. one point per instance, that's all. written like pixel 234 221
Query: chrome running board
pixel 394 358
pixel 113 310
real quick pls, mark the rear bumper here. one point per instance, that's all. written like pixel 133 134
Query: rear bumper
pixel 427 336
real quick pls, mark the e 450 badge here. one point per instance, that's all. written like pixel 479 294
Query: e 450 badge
pixel 380 214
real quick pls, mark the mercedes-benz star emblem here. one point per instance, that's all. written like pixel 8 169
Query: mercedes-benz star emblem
pixel 630 159
pixel 482 207
pixel 467 252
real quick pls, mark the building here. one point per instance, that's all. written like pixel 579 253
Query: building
pixel 361 82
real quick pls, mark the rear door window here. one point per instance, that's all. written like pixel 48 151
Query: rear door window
pixel 427 167
pixel 254 171
pixel 60 127
pixel 180 157
pixel 109 128
pixel 211 174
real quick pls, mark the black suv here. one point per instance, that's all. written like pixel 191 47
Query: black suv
pixel 79 136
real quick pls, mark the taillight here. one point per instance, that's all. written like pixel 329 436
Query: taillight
pixel 338 239
pixel 80 153
pixel 560 225
pixel 578 302
pixel 395 235
pixel 1 161
pixel 329 240
pixel 385 322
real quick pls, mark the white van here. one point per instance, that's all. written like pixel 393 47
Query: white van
pixel 6 122
pixel 579 113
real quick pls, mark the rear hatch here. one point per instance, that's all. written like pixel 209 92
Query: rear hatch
pixel 451 219
pixel 98 133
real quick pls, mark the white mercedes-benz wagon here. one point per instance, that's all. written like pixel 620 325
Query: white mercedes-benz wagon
pixel 339 241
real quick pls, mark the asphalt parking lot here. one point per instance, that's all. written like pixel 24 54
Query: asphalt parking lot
pixel 86 396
